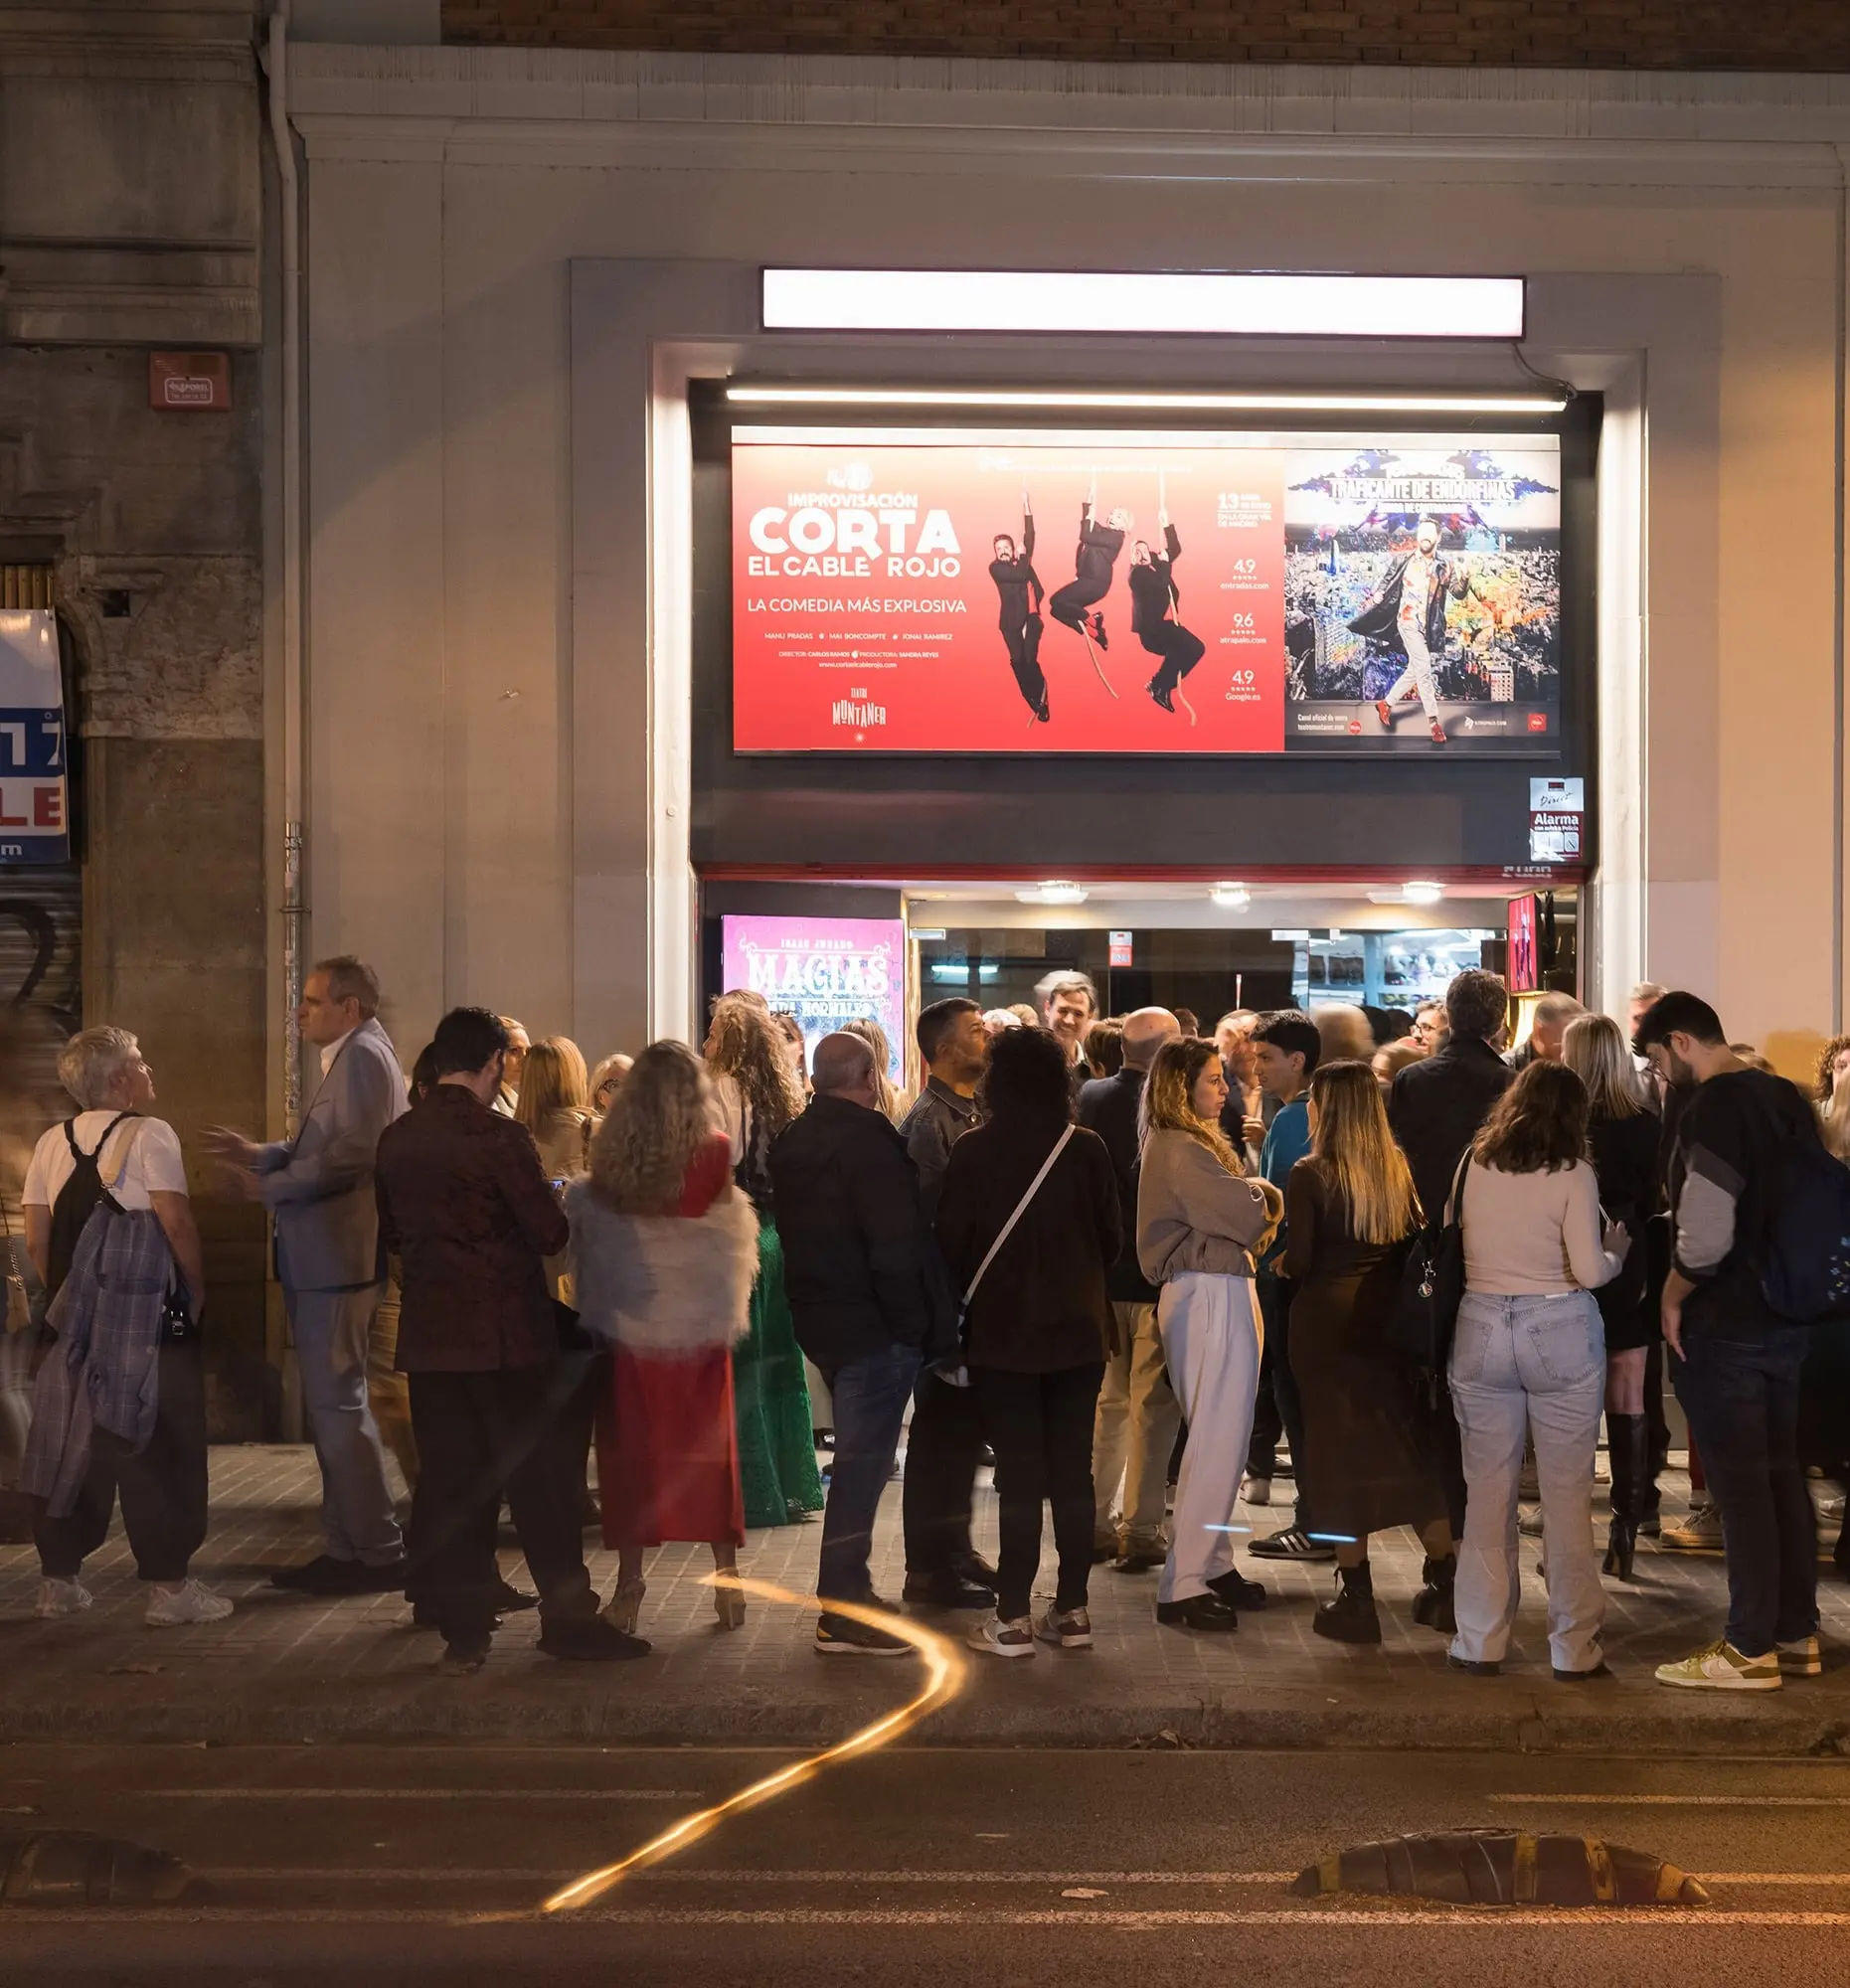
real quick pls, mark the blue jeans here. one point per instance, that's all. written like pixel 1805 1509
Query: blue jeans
pixel 1534 1363
pixel 1742 1399
pixel 870 1396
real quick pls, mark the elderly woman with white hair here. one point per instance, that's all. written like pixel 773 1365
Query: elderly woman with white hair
pixel 108 1187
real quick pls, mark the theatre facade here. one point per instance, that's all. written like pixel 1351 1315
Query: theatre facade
pixel 798 522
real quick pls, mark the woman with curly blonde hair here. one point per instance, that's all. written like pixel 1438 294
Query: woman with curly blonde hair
pixel 1201 1226
pixel 663 1254
pixel 1831 1093
pixel 758 1094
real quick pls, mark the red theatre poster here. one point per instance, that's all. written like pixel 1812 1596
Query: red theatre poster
pixel 939 591
pixel 997 591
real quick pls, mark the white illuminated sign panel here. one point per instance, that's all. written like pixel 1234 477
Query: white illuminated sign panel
pixel 1153 303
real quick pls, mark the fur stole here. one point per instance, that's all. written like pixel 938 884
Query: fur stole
pixel 664 1284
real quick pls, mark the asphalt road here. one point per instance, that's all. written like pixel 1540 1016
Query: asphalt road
pixel 374 1865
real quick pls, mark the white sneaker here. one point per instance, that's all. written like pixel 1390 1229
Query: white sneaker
pixel 60 1597
pixel 1800 1659
pixel 1721 1667
pixel 996 1637
pixel 191 1601
pixel 1700 1532
pixel 1256 1490
pixel 1071 1629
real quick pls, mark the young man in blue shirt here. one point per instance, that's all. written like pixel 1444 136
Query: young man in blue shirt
pixel 1286 1046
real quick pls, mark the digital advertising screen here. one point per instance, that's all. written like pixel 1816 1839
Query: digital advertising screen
pixel 939 591
pixel 827 972
pixel 1523 966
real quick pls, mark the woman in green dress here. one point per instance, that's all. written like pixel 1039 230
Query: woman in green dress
pixel 760 1094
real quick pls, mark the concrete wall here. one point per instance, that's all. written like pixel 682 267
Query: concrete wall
pixel 476 754
pixel 131 210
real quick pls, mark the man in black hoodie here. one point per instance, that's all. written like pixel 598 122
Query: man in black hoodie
pixel 869 1303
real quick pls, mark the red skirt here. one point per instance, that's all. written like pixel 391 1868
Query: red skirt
pixel 668 1452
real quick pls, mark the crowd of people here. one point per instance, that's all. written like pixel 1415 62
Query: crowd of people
pixel 1119 1259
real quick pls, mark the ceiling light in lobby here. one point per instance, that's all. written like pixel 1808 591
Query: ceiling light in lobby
pixel 1055 891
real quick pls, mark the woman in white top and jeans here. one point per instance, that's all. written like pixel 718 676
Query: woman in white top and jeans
pixel 1530 1352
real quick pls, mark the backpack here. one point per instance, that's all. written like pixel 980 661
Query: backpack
pixel 76 1202
pixel 1805 1259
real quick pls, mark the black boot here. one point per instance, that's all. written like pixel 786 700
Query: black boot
pixel 1433 1606
pixel 1350 1617
pixel 1628 1449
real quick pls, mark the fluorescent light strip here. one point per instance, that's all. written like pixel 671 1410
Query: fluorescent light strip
pixel 1320 403
pixel 1161 304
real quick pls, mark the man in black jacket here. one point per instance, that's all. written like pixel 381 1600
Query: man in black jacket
pixel 1020 595
pixel 1436 1109
pixel 1135 1425
pixel 1153 596
pixel 869 1309
pixel 946 1440
pixel 1438 1106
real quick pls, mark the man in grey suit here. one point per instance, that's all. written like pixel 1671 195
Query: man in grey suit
pixel 319 1187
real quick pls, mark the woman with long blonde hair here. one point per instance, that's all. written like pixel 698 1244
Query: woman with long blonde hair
pixel 1201 1226
pixel 555 1104
pixel 894 1103
pixel 1623 1135
pixel 663 1252
pixel 1350 1205
pixel 758 1094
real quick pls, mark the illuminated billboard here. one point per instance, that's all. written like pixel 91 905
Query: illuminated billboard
pixel 1034 591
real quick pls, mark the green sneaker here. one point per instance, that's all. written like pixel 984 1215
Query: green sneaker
pixel 1721 1667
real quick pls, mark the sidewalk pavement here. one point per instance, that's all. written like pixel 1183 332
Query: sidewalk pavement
pixel 286 1667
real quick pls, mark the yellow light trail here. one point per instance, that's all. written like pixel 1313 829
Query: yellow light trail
pixel 945 1675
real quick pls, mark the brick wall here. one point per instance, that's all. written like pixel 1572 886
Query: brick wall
pixel 1803 34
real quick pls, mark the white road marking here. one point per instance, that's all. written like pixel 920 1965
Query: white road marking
pixel 1432 1918
pixel 416 1794
pixel 452 1874
pixel 283 1874
pixel 1677 1801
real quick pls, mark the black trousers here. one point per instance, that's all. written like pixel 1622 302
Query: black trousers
pixel 1067 605
pixel 1024 647
pixel 941 1468
pixel 1180 650
pixel 517 1429
pixel 1039 1426
pixel 163 1490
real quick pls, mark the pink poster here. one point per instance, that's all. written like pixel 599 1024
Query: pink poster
pixel 827 972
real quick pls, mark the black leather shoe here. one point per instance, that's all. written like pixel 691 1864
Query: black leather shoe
pixel 977 1571
pixel 1206 1613
pixel 1598 1670
pixel 388 1578
pixel 1137 1563
pixel 1239 1592
pixel 1473 1670
pixel 590 1642
pixel 324 1574
pixel 513 1601
pixel 945 1591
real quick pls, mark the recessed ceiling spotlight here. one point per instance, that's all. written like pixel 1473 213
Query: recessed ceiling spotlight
pixel 1232 896
pixel 1054 892
pixel 1424 893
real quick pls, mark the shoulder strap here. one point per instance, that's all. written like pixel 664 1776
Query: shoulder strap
pixel 1020 1209
pixel 1455 1201
pixel 109 1132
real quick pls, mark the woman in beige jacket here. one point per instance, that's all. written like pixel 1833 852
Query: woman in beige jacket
pixel 1200 1224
